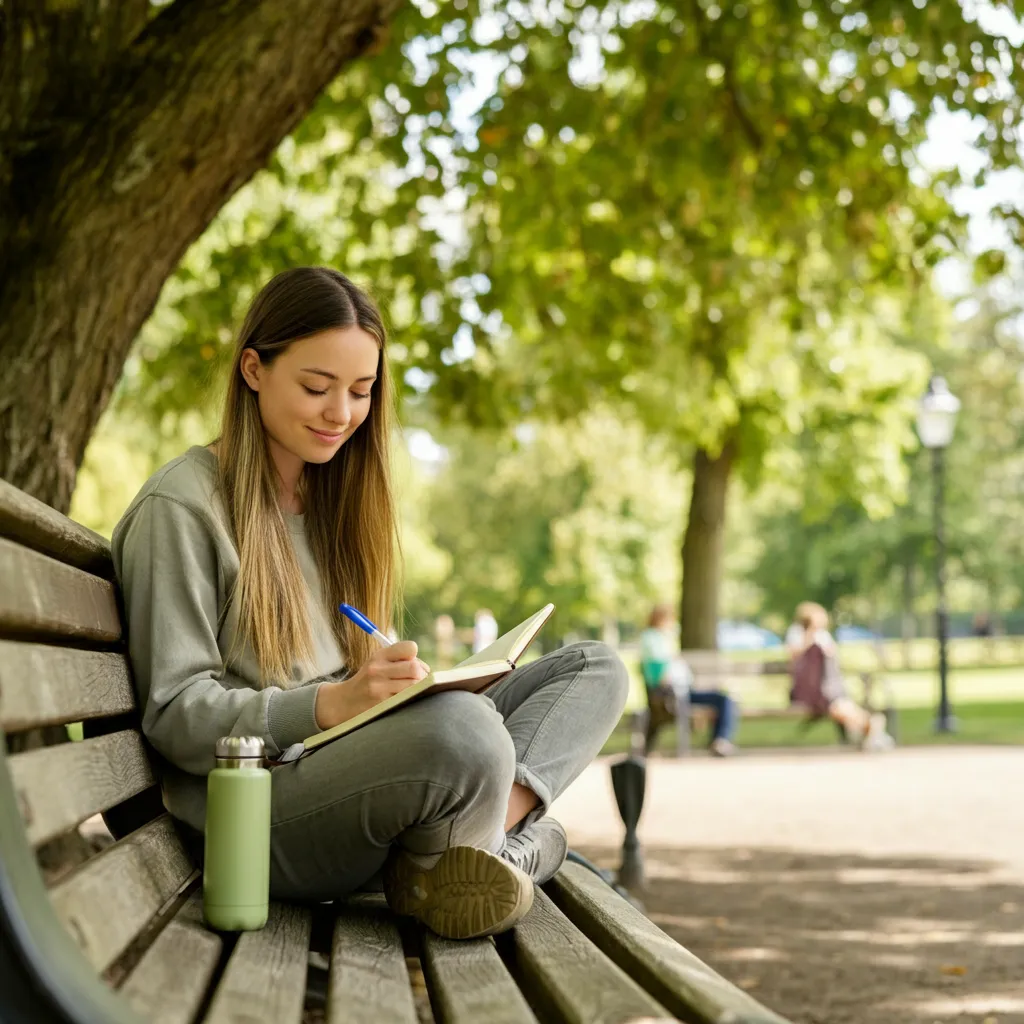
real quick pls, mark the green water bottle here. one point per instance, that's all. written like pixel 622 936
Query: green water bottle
pixel 236 867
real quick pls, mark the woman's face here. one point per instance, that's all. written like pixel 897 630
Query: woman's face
pixel 316 393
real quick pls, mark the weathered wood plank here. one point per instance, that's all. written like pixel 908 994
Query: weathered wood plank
pixel 569 979
pixel 40 596
pixel 170 981
pixel 265 979
pixel 33 523
pixel 672 974
pixel 110 899
pixel 368 979
pixel 44 685
pixel 59 787
pixel 469 983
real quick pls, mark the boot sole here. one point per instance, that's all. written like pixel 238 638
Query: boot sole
pixel 468 893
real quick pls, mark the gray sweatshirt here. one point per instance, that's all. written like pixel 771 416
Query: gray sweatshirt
pixel 177 565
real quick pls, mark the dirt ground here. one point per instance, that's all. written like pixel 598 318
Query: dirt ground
pixel 837 888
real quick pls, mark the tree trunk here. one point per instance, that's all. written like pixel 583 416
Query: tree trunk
pixel 702 550
pixel 122 133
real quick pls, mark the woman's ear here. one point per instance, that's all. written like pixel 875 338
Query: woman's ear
pixel 250 367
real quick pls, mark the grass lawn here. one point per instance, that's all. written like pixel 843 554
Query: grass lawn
pixel 999 722
pixel 988 702
pixel 920 653
pixel 913 688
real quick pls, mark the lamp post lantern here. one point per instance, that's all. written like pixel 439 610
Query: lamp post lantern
pixel 936 420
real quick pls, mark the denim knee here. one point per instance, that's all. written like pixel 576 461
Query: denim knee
pixel 607 676
pixel 474 749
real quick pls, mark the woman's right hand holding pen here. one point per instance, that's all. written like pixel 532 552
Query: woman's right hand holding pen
pixel 388 671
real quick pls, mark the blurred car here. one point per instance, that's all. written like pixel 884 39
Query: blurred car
pixel 856 634
pixel 745 636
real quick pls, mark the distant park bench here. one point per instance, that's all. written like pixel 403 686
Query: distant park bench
pixel 119 938
pixel 717 670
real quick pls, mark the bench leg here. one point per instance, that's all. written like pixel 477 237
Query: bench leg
pixel 682 726
pixel 629 781
pixel 892 722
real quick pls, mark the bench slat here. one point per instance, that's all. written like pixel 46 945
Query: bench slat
pixel 59 787
pixel 112 897
pixel 684 984
pixel 719 663
pixel 35 524
pixel 265 979
pixel 170 981
pixel 569 979
pixel 368 977
pixel 469 983
pixel 43 685
pixel 43 597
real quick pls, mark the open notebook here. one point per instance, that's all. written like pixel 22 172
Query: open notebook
pixel 474 674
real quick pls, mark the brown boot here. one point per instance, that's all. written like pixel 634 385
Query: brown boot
pixel 466 894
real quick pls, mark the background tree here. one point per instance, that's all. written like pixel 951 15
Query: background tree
pixel 582 514
pixel 646 189
pixel 873 569
pixel 690 212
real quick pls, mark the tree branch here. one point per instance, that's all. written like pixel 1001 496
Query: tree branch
pixel 739 108
pixel 731 86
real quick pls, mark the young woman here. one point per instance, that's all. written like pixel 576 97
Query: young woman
pixel 818 682
pixel 668 679
pixel 233 560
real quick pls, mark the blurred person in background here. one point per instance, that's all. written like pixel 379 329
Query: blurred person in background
pixel 668 680
pixel 444 641
pixel 485 629
pixel 818 682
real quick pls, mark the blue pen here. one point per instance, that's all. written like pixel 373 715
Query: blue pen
pixel 363 623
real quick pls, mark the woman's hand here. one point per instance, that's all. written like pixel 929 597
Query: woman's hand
pixel 389 671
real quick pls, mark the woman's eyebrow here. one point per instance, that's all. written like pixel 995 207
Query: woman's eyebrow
pixel 334 376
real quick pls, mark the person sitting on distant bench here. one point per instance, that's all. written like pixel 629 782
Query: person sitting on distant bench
pixel 818 682
pixel 668 680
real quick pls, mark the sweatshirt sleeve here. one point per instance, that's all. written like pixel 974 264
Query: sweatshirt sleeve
pixel 168 571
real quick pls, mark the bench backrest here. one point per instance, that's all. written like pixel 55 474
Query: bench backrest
pixel 62 661
pixel 712 668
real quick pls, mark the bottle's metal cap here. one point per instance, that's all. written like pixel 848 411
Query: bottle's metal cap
pixel 235 747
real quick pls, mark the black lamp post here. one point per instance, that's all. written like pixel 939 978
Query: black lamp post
pixel 936 419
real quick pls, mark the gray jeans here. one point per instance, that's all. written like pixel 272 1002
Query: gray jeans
pixel 439 772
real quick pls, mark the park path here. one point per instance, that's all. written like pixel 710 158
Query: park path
pixel 838 888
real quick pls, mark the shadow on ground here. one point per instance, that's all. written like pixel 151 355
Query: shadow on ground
pixel 844 939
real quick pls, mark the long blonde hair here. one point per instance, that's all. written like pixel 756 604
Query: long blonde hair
pixel 349 507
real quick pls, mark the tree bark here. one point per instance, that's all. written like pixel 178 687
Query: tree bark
pixel 702 549
pixel 121 136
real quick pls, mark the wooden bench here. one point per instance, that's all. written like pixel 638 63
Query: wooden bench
pixel 716 670
pixel 119 938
